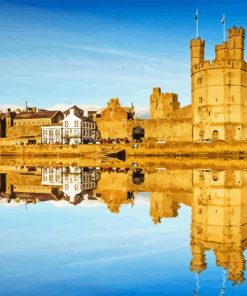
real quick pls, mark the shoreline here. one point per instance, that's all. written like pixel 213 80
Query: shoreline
pixel 235 150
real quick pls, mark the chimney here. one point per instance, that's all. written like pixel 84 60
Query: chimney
pixel 71 111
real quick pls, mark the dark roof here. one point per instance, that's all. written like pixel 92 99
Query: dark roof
pixel 85 118
pixel 2 115
pixel 7 114
pixel 39 196
pixel 77 111
pixel 34 115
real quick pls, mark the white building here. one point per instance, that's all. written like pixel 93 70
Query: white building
pixel 51 134
pixel 75 128
pixel 73 180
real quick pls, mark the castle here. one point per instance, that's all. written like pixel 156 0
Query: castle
pixel 218 99
pixel 218 109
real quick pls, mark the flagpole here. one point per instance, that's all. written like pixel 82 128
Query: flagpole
pixel 223 21
pixel 197 25
pixel 224 28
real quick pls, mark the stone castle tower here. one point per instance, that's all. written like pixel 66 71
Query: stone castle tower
pixel 162 104
pixel 219 89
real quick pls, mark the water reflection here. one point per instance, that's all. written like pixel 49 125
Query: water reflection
pixel 218 200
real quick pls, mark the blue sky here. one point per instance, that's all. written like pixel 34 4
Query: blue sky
pixel 84 52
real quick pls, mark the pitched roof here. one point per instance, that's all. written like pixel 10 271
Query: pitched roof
pixel 77 110
pixel 34 115
pixel 78 113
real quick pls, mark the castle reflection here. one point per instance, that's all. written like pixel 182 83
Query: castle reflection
pixel 218 200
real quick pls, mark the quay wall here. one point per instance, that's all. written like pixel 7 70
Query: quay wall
pixel 149 148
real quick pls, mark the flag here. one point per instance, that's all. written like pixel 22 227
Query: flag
pixel 196 16
pixel 223 19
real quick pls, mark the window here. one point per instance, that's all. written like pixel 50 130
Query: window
pixel 199 80
pixel 57 133
pixel 66 123
pixel 57 178
pixel 66 186
pixel 76 123
pixel 200 99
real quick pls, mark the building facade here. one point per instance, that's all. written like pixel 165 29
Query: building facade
pixel 75 128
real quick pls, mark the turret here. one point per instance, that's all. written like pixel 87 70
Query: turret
pixel 222 51
pixel 197 51
pixel 163 104
pixel 236 38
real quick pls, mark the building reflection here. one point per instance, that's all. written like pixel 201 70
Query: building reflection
pixel 219 207
pixel 72 184
pixel 218 200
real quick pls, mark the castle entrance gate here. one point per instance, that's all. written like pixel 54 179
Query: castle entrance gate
pixel 215 135
pixel 138 133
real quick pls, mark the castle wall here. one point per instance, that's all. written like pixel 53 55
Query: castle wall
pixel 169 130
pixel 25 132
pixel 182 113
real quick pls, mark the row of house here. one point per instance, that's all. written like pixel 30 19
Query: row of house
pixel 33 125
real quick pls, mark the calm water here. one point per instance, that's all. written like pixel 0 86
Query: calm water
pixel 86 231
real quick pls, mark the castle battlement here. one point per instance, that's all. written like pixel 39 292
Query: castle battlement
pixel 231 51
pixel 197 42
pixel 234 31
pixel 214 64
